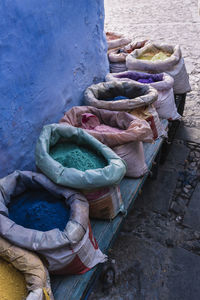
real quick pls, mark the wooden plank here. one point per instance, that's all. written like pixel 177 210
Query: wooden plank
pixel 76 286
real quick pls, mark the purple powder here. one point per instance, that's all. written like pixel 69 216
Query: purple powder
pixel 143 80
pixel 140 77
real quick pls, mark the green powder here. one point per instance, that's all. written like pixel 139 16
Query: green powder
pixel 78 157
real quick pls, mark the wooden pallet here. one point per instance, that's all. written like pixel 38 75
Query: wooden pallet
pixel 79 286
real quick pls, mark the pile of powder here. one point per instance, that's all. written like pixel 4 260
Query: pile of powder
pixel 12 282
pixel 79 157
pixel 117 98
pixel 161 55
pixel 39 210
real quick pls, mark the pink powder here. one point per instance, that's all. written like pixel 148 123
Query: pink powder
pixel 91 122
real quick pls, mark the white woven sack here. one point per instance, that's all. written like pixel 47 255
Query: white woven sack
pixel 71 251
pixel 76 259
pixel 119 40
pixel 117 67
pixel 133 154
pixel 174 65
pixel 165 105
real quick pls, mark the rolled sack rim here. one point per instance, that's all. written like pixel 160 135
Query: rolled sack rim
pixel 121 105
pixel 166 83
pixel 40 239
pixel 111 174
pixel 132 61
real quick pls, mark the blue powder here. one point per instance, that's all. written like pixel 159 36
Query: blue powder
pixel 40 210
pixel 117 98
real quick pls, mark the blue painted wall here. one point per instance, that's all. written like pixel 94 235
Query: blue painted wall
pixel 50 51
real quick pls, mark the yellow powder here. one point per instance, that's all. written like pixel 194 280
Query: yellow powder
pixel 161 55
pixel 12 282
pixel 147 56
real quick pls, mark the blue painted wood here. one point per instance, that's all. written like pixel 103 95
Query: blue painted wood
pixel 75 287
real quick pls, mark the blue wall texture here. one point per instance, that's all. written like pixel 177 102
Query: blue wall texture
pixel 50 51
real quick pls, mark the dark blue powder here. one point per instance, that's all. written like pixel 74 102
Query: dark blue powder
pixel 117 98
pixel 40 210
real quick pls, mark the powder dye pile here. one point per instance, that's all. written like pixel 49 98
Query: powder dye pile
pixel 161 55
pixel 79 157
pixel 117 98
pixel 92 122
pixel 12 282
pixel 39 210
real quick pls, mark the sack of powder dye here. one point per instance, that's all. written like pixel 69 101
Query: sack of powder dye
pixel 71 157
pixel 116 129
pixel 119 95
pixel 117 56
pixel 22 274
pixel 149 114
pixel 66 241
pixel 163 83
pixel 115 40
pixel 167 59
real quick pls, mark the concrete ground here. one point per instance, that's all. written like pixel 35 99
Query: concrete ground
pixel 157 253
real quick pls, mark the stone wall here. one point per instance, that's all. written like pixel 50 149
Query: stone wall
pixel 50 51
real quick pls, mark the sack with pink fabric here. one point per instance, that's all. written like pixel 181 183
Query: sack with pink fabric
pixel 119 130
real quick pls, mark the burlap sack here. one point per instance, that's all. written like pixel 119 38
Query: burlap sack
pixel 174 65
pixel 33 269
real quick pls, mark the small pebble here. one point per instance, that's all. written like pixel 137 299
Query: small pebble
pixel 193 164
pixel 188 186
pixel 197 154
pixel 178 219
pixel 185 190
